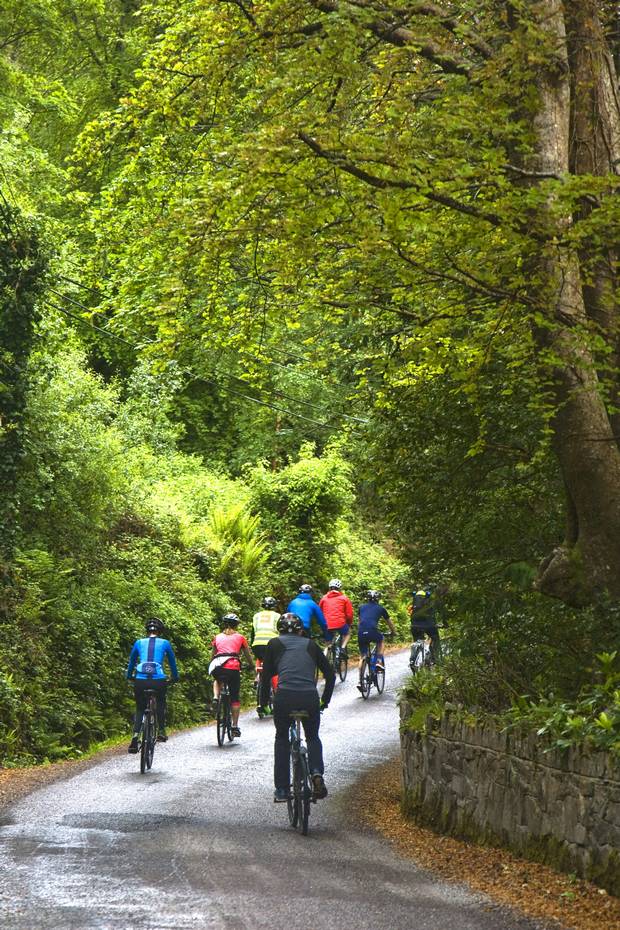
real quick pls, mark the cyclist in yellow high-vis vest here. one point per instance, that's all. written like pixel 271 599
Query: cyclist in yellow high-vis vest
pixel 264 626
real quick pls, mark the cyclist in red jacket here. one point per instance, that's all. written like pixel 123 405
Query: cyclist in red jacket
pixel 338 612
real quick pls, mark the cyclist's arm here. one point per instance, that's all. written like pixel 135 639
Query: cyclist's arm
pixel 133 658
pixel 172 662
pixel 388 620
pixel 348 611
pixel 270 668
pixel 249 657
pixel 320 618
pixel 325 667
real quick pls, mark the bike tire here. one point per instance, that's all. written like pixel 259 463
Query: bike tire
pixel 380 679
pixel 150 746
pixel 293 804
pixel 365 679
pixel 305 796
pixel 220 721
pixel 143 748
pixel 343 667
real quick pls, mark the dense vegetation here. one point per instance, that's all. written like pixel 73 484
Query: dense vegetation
pixel 299 289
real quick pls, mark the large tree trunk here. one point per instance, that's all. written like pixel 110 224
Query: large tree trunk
pixel 595 150
pixel 589 457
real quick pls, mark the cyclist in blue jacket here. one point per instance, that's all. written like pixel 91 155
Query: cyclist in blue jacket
pixel 307 609
pixel 146 670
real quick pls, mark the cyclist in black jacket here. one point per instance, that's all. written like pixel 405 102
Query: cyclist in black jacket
pixel 294 659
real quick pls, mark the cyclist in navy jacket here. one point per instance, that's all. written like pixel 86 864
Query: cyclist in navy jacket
pixel 307 610
pixel 146 670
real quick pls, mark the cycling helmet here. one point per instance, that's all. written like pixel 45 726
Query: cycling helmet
pixel 229 620
pixel 373 595
pixel 335 584
pixel 305 589
pixel 289 623
pixel 270 603
pixel 154 625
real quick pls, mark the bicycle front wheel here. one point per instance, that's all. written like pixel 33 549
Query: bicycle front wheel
pixel 221 720
pixel 365 678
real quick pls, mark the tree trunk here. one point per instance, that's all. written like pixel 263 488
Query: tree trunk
pixel 589 458
pixel 595 150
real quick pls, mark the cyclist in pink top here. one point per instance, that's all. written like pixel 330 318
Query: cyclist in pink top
pixel 227 646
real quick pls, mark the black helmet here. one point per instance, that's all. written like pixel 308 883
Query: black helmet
pixel 229 620
pixel 335 584
pixel 270 603
pixel 305 589
pixel 373 595
pixel 154 625
pixel 290 623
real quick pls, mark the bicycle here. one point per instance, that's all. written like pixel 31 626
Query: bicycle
pixel 301 795
pixel 371 675
pixel 148 731
pixel 337 656
pixel 421 655
pixel 267 709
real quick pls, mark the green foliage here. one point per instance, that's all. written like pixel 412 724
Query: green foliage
pixel 592 720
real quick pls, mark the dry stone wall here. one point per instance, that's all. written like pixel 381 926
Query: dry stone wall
pixel 502 788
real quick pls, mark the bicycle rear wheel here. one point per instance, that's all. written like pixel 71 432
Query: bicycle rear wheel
pixel 221 716
pixel 380 679
pixel 305 796
pixel 150 749
pixel 144 744
pixel 293 803
pixel 342 666
pixel 365 678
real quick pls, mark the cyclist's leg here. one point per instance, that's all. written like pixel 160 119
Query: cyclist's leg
pixel 435 644
pixel 282 705
pixel 234 686
pixel 311 730
pixel 139 687
pixel 378 639
pixel 417 635
pixel 160 687
pixel 346 636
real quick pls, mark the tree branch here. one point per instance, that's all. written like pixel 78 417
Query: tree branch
pixel 401 184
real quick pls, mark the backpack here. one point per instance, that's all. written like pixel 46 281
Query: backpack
pixel 422 606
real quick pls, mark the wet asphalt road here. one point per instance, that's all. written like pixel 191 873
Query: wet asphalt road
pixel 198 843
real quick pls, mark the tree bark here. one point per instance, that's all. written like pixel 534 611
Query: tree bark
pixel 589 559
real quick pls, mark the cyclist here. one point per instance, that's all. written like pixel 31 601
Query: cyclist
pixel 294 660
pixel 424 620
pixel 264 628
pixel 338 612
pixel 371 613
pixel 307 609
pixel 146 669
pixel 225 664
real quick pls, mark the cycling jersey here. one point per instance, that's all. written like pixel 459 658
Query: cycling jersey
pixel 306 609
pixel 337 609
pixel 147 658
pixel 294 660
pixel 371 614
pixel 264 627
pixel 229 642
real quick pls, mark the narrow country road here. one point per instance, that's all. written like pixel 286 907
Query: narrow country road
pixel 198 842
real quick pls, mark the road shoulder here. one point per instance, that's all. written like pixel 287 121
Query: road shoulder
pixel 536 890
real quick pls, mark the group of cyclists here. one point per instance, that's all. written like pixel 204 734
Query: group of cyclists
pixel 284 652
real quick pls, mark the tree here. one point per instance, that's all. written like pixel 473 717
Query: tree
pixel 444 177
